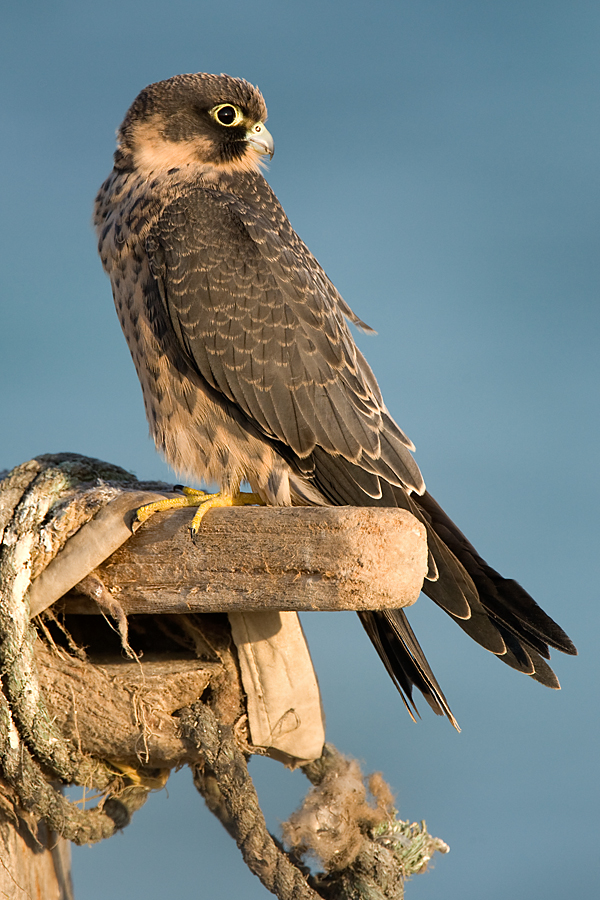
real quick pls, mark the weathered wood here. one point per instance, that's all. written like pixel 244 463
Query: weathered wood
pixel 33 862
pixel 131 712
pixel 122 710
pixel 247 558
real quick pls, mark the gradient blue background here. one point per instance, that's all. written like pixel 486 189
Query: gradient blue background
pixel 441 161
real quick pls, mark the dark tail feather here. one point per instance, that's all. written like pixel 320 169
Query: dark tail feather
pixel 401 654
pixel 495 611
pixel 503 606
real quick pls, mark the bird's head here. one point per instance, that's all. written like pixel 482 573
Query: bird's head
pixel 210 120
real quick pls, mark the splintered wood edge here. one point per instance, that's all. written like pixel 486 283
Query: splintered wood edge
pixel 252 558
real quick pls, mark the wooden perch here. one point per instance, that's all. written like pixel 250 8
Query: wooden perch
pixel 74 710
pixel 251 558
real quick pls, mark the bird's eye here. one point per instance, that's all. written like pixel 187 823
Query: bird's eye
pixel 227 114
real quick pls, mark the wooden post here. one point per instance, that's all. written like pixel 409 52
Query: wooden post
pixel 33 862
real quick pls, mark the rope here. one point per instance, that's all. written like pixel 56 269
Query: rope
pixel 368 852
pixel 229 793
pixel 42 503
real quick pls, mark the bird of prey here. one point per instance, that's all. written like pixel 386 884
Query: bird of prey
pixel 248 367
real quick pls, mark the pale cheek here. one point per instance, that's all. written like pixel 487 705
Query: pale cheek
pixel 152 153
pixel 157 155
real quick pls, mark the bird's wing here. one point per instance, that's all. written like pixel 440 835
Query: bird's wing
pixel 262 324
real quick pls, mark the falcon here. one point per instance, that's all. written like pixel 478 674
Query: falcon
pixel 249 370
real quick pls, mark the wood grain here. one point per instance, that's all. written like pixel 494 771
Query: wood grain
pixel 245 558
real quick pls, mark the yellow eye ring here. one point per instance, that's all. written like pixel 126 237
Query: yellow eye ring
pixel 227 114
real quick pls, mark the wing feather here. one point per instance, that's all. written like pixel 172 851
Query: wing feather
pixel 261 322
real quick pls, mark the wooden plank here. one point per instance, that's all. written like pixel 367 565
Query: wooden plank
pixel 245 558
pixel 124 710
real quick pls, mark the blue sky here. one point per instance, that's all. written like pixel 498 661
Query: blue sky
pixel 441 161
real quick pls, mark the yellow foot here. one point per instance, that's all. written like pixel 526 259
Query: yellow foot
pixel 152 779
pixel 201 499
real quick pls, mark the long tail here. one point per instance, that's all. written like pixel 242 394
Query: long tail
pixel 401 654
pixel 495 611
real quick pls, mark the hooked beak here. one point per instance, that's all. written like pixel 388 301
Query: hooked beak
pixel 261 140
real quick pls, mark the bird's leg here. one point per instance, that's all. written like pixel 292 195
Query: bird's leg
pixel 202 500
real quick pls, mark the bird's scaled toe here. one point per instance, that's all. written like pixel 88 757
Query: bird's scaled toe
pixel 210 501
pixel 145 512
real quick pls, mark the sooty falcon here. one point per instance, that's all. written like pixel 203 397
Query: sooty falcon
pixel 248 368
